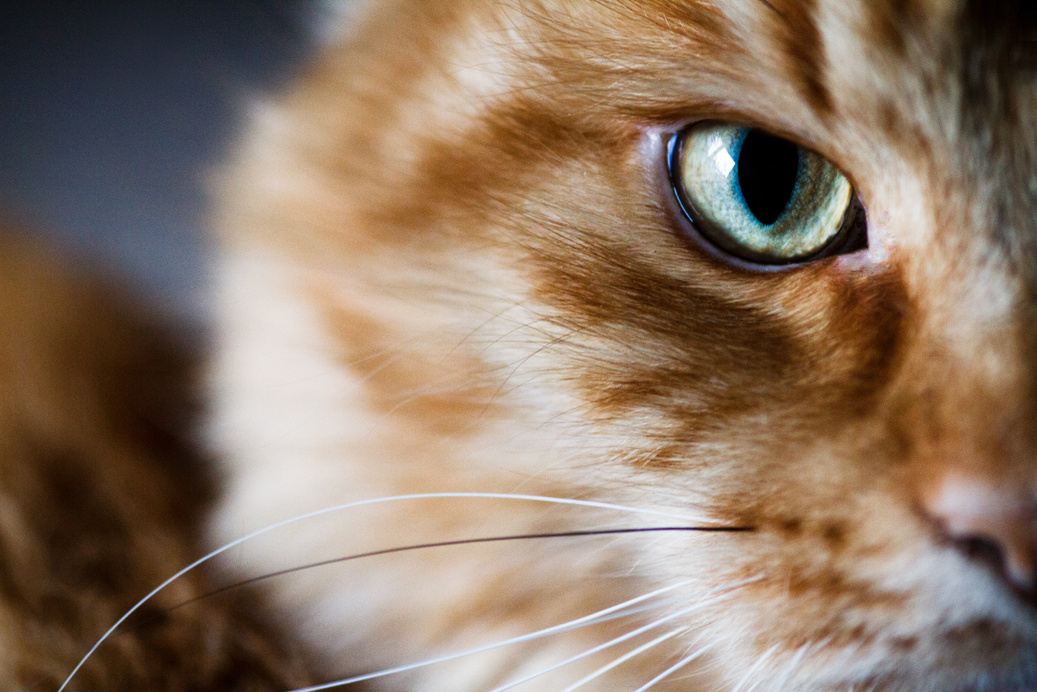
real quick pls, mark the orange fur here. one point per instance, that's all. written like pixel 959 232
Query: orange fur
pixel 452 261
pixel 468 201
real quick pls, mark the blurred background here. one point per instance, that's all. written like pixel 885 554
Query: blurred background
pixel 112 114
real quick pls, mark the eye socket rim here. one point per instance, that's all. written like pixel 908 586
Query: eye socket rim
pixel 852 236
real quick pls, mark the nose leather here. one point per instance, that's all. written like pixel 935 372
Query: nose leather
pixel 975 511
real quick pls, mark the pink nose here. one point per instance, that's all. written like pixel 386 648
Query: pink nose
pixel 991 523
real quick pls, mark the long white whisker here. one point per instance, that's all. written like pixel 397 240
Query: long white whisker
pixel 699 604
pixel 630 612
pixel 363 503
pixel 585 621
pixel 684 662
pixel 624 658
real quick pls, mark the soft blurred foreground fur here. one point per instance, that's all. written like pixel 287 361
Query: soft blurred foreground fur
pixel 102 493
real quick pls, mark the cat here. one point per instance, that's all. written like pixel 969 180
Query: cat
pixel 747 286
pixel 497 247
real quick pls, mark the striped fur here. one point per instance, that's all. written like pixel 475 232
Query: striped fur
pixel 450 264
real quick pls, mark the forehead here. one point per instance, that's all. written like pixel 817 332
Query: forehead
pixel 803 53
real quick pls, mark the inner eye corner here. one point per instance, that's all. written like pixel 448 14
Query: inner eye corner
pixel 761 199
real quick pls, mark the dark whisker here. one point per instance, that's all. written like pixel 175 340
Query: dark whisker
pixel 572 502
pixel 436 544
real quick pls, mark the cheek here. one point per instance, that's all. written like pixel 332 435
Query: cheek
pixel 755 404
pixel 746 398
pixel 750 365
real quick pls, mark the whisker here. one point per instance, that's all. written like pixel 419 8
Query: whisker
pixel 624 658
pixel 630 612
pixel 700 603
pixel 362 503
pixel 679 665
pixel 456 542
pixel 584 621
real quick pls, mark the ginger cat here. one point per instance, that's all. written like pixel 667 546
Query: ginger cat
pixel 747 286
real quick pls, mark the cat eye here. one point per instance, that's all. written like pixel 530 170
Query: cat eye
pixel 764 199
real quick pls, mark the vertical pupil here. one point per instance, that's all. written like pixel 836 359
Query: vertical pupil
pixel 767 170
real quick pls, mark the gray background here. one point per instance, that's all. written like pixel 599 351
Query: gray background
pixel 112 112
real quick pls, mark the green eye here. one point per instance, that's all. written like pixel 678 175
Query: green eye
pixel 762 198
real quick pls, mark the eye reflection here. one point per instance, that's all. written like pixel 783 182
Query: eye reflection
pixel 720 155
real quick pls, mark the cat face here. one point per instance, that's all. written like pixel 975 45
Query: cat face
pixel 473 251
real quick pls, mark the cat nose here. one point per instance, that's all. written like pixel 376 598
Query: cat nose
pixel 990 523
